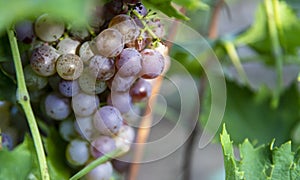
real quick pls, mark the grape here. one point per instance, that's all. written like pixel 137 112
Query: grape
pixel 67 46
pixel 24 31
pixel 140 8
pixel 77 152
pixel 79 33
pixel 129 62
pixel 89 84
pixel 84 126
pixel 133 116
pixel 140 90
pixel 54 82
pixel 102 172
pixel 102 68
pixel 48 29
pixel 85 52
pixel 124 138
pixel 122 84
pixel 68 88
pixel 43 60
pixel 126 26
pixel 69 66
pixel 57 106
pixel 152 63
pixel 102 145
pixel 108 43
pixel 120 166
pixel 33 80
pixel 84 104
pixel 66 130
pixel 7 141
pixel 122 101
pixel 108 120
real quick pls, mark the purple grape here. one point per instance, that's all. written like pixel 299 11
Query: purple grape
pixel 129 62
pixel 57 107
pixel 68 88
pixel 140 90
pixel 121 101
pixel 122 84
pixel 7 141
pixel 120 166
pixel 84 104
pixel 84 126
pixel 77 152
pixel 24 31
pixel 108 120
pixel 43 60
pixel 102 145
pixel 102 172
pixel 102 68
pixel 152 64
pixel 140 8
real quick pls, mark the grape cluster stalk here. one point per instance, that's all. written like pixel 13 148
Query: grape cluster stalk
pixel 89 81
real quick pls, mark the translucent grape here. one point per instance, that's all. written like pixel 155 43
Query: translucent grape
pixel 152 63
pixel 79 33
pixel 69 66
pixel 24 31
pixel 48 29
pixel 84 104
pixel 89 84
pixel 129 62
pixel 67 46
pixel 57 107
pixel 43 60
pixel 33 80
pixel 77 152
pixel 102 172
pixel 68 88
pixel 84 126
pixel 102 68
pixel 122 84
pixel 108 120
pixel 85 52
pixel 121 101
pixel 108 43
pixel 102 145
pixel 140 90
pixel 124 138
pixel 67 130
pixel 126 26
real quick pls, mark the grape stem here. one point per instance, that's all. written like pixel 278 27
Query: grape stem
pixel 24 99
pixel 146 27
pixel 96 163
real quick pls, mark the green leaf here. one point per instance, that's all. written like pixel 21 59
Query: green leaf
pixel 250 115
pixel 263 162
pixel 258 35
pixel 166 7
pixel 19 163
pixel 55 149
pixel 7 88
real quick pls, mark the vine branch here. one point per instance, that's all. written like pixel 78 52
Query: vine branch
pixel 24 99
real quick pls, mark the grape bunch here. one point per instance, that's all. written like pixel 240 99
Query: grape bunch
pixel 89 81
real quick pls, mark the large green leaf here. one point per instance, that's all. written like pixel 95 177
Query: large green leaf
pixel 19 163
pixel 263 162
pixel 258 35
pixel 250 115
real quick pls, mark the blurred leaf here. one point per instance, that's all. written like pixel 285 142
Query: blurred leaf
pixel 20 162
pixel 166 7
pixel 71 10
pixel 192 4
pixel 249 115
pixel 7 88
pixel 263 162
pixel 55 148
pixel 258 36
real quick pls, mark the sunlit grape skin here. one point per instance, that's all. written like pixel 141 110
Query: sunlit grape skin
pixel 69 66
pixel 84 104
pixel 108 43
pixel 48 29
pixel 77 152
pixel 102 145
